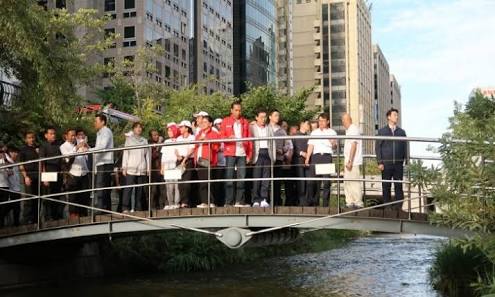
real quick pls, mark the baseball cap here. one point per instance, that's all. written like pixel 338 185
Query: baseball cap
pixel 217 121
pixel 185 124
pixel 201 114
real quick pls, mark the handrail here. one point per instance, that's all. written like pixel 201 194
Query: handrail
pixel 228 140
pixel 335 178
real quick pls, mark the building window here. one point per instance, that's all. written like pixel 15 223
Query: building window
pixel 129 4
pixel 129 32
pixel 109 5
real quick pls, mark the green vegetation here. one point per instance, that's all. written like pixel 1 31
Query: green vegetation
pixel 180 251
pixel 464 190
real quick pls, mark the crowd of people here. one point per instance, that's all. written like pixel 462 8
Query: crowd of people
pixel 184 173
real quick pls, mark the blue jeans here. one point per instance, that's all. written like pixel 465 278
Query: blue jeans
pixel 240 163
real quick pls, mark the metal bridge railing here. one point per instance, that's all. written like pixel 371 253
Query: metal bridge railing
pixel 337 179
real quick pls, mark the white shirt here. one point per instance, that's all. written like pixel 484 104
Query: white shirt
pixel 322 146
pixel 4 178
pixel 239 150
pixel 104 140
pixel 79 166
pixel 14 178
pixel 184 149
pixel 169 159
pixel 353 130
pixel 262 132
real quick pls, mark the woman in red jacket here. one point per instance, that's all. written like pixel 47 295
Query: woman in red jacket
pixel 205 157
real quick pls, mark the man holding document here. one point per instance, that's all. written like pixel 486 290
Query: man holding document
pixel 319 160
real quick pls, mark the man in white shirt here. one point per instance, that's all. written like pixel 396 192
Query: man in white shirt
pixel 353 158
pixel 320 152
pixel 103 162
pixel 77 176
pixel 263 159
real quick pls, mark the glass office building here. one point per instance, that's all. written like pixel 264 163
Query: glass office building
pixel 254 43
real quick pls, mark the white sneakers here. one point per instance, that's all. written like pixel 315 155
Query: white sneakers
pixel 241 205
pixel 262 204
pixel 169 207
pixel 204 205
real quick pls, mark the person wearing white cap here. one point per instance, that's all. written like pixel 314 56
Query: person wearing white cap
pixel 169 162
pixel 185 158
pixel 198 120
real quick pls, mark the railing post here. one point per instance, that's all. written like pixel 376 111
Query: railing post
pixel 272 162
pixel 364 179
pixel 338 178
pixel 209 176
pixel 150 172
pixel 409 179
pixel 93 182
pixel 38 224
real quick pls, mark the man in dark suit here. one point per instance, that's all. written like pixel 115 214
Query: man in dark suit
pixel 391 155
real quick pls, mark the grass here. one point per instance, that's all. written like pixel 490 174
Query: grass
pixel 182 251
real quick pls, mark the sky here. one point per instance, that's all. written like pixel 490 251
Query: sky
pixel 439 50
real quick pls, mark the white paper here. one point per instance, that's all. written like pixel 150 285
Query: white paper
pixel 172 174
pixel 49 176
pixel 325 169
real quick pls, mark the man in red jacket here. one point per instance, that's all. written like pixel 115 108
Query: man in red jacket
pixel 237 154
pixel 205 158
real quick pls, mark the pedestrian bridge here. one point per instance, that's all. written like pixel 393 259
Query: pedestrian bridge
pixel 231 224
pixel 234 226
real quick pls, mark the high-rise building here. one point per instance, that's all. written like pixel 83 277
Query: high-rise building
pixel 338 34
pixel 142 23
pixel 381 87
pixel 213 45
pixel 254 43
pixel 285 68
pixel 395 96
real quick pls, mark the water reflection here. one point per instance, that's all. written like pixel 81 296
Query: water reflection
pixel 385 265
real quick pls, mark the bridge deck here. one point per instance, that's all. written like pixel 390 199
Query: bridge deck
pixel 219 211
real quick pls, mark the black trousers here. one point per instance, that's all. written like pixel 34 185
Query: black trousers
pixel 314 187
pixel 4 196
pixel 277 184
pixel 219 187
pixel 157 197
pixel 290 187
pixel 202 173
pixel 139 194
pixel 53 210
pixel 15 207
pixel 301 172
pixel 185 188
pixel 30 214
pixel 262 169
pixel 393 172
pixel 103 180
pixel 76 183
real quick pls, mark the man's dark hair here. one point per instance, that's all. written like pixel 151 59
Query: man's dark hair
pixel 28 133
pixel 260 110
pixel 12 149
pixel 273 111
pixel 102 117
pixel 68 130
pixel 209 119
pixel 153 130
pixel 79 130
pixel 325 116
pixel 137 124
pixel 389 112
pixel 50 128
pixel 235 103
